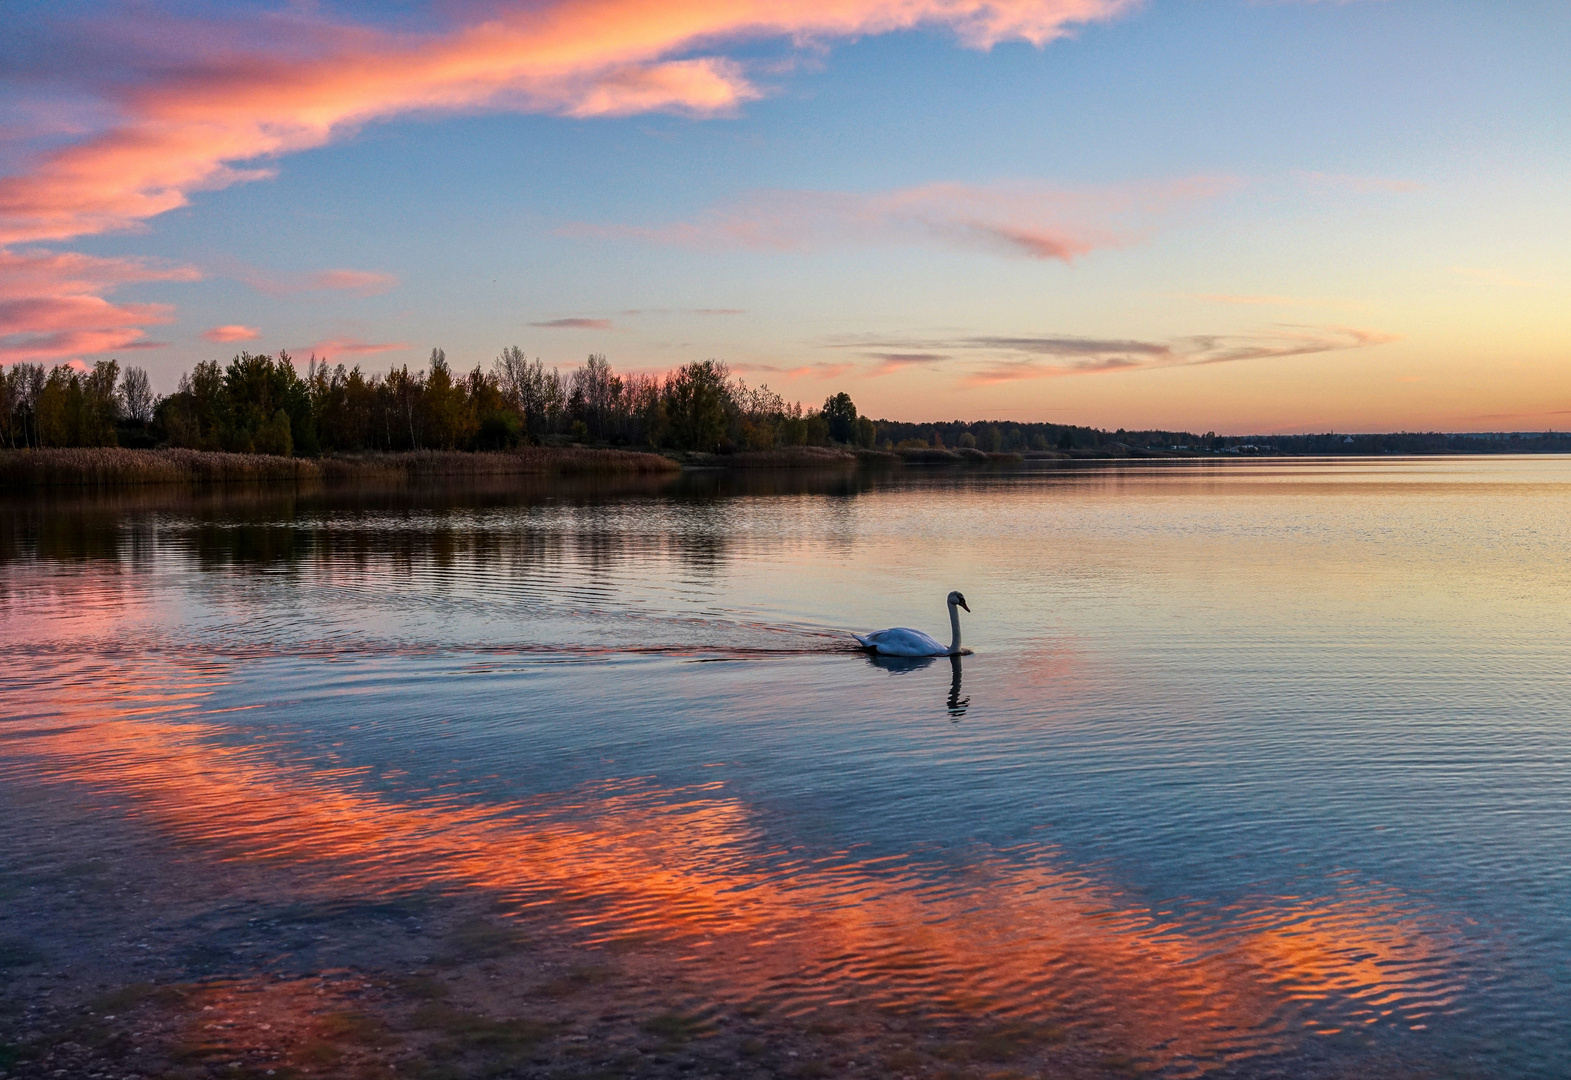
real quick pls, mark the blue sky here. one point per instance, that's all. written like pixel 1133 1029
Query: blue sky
pixel 1213 215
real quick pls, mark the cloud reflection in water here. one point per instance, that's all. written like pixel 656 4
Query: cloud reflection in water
pixel 1018 933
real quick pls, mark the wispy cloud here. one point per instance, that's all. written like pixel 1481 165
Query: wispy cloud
pixel 574 324
pixel 272 283
pixel 231 332
pixel 354 347
pixel 364 282
pixel 820 371
pixel 988 359
pixel 1025 219
pixel 53 305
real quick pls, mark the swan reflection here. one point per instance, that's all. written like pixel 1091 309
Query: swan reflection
pixel 904 665
pixel 956 704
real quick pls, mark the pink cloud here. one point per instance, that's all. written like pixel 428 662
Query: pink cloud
pixel 1022 219
pixel 213 115
pixel 52 305
pixel 232 332
pixel 354 347
pixel 362 282
pixel 819 371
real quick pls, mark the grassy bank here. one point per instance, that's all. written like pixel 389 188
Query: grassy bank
pixel 113 466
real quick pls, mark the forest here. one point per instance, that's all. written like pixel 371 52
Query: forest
pixel 264 404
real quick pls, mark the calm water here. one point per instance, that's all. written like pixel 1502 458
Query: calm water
pixel 1247 757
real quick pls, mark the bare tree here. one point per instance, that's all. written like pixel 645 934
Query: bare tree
pixel 599 389
pixel 136 396
pixel 531 388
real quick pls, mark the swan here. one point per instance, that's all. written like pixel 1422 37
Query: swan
pixel 902 641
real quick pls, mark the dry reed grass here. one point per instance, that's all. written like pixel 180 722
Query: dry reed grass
pixel 114 466
pixel 791 457
pixel 531 460
pixel 101 466
pixel 964 455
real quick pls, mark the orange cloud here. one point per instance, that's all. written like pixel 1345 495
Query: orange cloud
pixel 1023 219
pixel 205 120
pixel 232 332
pixel 52 307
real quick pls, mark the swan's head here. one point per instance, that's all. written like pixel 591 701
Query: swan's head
pixel 956 598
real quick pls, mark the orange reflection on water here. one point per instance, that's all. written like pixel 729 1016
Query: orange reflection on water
pixel 1024 937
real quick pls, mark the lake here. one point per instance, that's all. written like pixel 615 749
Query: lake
pixel 1256 768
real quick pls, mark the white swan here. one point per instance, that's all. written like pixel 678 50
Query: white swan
pixel 902 641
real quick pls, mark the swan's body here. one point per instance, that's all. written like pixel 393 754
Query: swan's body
pixel 903 641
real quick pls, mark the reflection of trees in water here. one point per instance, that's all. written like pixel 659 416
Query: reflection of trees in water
pixel 398 529
pixel 118 523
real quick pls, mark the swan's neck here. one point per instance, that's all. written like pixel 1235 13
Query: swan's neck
pixel 954 625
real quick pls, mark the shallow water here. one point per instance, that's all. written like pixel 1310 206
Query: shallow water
pixel 1248 757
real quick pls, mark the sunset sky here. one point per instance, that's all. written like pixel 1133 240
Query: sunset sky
pixel 1267 216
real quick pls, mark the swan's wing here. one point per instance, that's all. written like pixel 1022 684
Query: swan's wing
pixel 901 641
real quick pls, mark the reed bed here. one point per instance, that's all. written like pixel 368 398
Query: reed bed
pixel 532 460
pixel 963 455
pixel 103 466
pixel 115 466
pixel 790 457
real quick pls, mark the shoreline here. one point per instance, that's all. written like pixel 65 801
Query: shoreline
pixel 124 467
pixel 118 467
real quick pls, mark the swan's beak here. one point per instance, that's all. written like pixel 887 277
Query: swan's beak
pixel 965 605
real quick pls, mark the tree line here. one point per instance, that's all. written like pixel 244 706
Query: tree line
pixel 104 406
pixel 263 404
